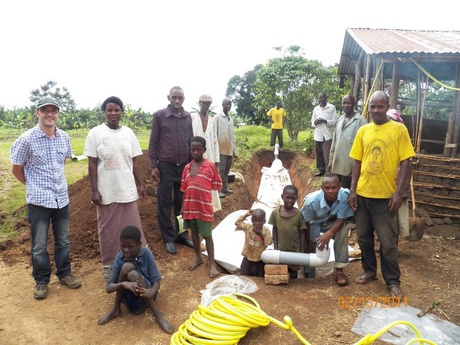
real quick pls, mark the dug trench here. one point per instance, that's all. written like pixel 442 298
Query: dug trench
pixel 429 273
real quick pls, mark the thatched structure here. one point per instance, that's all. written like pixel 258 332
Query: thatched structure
pixel 415 68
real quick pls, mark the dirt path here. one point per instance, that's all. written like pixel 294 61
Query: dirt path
pixel 430 272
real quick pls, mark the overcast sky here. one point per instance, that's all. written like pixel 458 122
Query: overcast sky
pixel 137 50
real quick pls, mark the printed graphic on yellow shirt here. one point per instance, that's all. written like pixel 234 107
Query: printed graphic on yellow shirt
pixel 377 162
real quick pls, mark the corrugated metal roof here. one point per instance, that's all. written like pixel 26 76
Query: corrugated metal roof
pixel 377 41
pixel 396 43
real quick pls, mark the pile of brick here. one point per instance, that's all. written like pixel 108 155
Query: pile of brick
pixel 276 274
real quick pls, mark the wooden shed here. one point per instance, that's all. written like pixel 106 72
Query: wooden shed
pixel 420 70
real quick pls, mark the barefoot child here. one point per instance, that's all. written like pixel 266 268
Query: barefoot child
pixel 135 279
pixel 289 226
pixel 257 239
pixel 199 178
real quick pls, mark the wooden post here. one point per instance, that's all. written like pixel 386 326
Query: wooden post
pixel 456 112
pixel 449 134
pixel 357 79
pixel 422 95
pixel 379 80
pixel 367 81
pixel 394 90
pixel 418 120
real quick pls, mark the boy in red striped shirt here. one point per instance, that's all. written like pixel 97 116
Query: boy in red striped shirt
pixel 199 178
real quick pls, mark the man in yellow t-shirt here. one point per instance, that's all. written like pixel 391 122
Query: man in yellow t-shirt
pixel 378 150
pixel 277 116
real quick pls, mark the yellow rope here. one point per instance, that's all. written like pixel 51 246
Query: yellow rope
pixel 433 78
pixel 420 67
pixel 227 319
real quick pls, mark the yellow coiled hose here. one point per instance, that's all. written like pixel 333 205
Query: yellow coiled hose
pixel 227 319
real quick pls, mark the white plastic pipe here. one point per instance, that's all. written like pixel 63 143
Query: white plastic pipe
pixel 277 147
pixel 320 258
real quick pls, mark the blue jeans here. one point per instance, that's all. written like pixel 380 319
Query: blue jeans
pixel 372 216
pixel 39 219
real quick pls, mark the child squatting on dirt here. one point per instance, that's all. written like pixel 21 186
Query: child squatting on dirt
pixel 135 279
pixel 257 238
pixel 199 178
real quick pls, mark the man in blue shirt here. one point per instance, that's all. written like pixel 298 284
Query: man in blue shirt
pixel 38 157
pixel 325 212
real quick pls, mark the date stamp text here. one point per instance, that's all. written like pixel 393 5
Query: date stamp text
pixel 349 302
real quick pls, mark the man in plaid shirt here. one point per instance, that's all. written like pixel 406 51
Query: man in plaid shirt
pixel 38 157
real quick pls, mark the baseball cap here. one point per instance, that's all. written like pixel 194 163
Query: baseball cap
pixel 205 98
pixel 47 101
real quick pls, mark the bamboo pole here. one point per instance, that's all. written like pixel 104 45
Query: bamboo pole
pixel 437 196
pixel 437 186
pixel 438 166
pixel 438 158
pixel 443 215
pixel 457 208
pixel 433 174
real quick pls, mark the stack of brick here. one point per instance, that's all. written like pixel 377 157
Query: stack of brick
pixel 276 274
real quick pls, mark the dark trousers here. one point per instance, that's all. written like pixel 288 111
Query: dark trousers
pixel 277 133
pixel 345 181
pixel 225 165
pixel 252 268
pixel 168 196
pixel 322 149
pixel 372 216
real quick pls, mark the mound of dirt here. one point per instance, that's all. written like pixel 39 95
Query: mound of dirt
pixel 83 224
pixel 429 268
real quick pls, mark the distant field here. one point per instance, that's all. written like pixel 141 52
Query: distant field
pixel 12 197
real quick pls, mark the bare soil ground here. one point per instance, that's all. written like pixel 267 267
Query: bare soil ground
pixel 430 272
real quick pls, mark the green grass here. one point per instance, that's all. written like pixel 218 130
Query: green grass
pixel 250 139
pixel 12 198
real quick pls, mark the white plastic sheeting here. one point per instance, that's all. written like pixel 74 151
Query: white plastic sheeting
pixel 228 243
pixel 372 319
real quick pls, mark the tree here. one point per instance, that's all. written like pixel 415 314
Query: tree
pixel 241 91
pixel 296 82
pixel 63 96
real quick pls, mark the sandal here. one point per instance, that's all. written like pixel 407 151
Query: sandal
pixel 365 278
pixel 341 278
pixel 396 292
pixel 106 271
